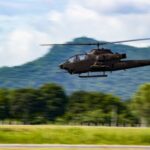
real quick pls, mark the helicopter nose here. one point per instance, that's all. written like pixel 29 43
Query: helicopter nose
pixel 61 66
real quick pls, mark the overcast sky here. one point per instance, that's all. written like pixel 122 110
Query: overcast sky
pixel 25 24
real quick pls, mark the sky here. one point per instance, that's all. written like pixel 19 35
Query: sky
pixel 25 24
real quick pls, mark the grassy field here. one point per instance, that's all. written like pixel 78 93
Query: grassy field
pixel 69 149
pixel 74 135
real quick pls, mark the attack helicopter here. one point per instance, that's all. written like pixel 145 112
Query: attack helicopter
pixel 99 60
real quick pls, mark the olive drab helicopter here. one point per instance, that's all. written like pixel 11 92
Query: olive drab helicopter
pixel 99 60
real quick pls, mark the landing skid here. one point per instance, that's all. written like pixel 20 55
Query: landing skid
pixel 91 76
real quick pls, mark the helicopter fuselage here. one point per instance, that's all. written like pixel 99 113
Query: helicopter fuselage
pixel 100 60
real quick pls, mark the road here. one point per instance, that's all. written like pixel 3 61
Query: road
pixel 74 146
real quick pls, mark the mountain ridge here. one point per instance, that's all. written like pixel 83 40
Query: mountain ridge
pixel 45 69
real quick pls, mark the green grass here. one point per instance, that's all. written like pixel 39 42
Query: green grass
pixel 71 149
pixel 74 135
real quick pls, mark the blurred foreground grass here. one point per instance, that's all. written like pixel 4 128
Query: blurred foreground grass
pixel 73 135
pixel 71 149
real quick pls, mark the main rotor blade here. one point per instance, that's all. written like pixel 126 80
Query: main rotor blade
pixel 99 43
pixel 96 43
pixel 132 40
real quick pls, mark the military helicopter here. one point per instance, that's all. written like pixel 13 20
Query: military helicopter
pixel 99 60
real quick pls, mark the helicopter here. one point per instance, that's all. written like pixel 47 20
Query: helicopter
pixel 99 60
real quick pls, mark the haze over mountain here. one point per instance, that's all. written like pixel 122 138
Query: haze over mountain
pixel 45 70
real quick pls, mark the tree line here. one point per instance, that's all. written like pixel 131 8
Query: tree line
pixel 50 104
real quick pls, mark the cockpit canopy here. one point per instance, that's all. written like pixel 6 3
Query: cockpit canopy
pixel 77 58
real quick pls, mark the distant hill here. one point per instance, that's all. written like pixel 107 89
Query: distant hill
pixel 45 69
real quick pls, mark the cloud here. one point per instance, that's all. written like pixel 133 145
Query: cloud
pixel 26 24
pixel 17 7
pixel 22 45
pixel 116 6
pixel 91 18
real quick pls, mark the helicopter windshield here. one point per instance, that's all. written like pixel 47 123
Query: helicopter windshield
pixel 77 58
